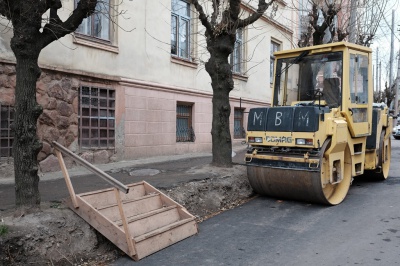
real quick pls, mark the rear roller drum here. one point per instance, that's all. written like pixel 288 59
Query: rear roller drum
pixel 384 156
pixel 302 185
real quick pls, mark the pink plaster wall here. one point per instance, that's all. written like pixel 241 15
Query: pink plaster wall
pixel 150 123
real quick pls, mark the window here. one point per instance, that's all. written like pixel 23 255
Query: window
pixel 274 47
pixel 184 129
pixel 98 24
pixel 359 79
pixel 180 29
pixel 236 58
pixel 97 118
pixel 238 127
pixel 6 139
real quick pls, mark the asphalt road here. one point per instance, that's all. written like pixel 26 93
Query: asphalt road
pixel 363 230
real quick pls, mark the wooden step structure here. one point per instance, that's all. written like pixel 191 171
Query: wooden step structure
pixel 137 218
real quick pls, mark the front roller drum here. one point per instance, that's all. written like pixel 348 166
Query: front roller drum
pixel 301 185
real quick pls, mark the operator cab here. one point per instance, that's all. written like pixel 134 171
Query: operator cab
pixel 334 76
pixel 309 79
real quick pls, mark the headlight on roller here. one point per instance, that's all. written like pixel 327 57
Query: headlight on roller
pixel 304 141
pixel 255 140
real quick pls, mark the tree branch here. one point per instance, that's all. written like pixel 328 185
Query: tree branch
pixel 203 17
pixel 5 8
pixel 45 5
pixel 215 5
pixel 234 8
pixel 56 29
pixel 262 7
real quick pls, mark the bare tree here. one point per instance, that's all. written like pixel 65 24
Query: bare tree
pixel 386 96
pixel 329 21
pixel 221 26
pixel 30 37
pixel 368 14
pixel 322 25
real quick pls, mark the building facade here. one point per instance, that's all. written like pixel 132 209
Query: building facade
pixel 130 82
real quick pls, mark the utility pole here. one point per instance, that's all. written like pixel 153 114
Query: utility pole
pixel 391 53
pixel 396 97
pixel 380 73
pixel 353 15
pixel 373 78
pixel 377 88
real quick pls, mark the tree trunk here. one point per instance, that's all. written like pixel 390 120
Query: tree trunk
pixel 220 72
pixel 221 136
pixel 26 143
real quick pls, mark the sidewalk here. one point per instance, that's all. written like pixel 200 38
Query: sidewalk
pixel 161 172
pixel 113 167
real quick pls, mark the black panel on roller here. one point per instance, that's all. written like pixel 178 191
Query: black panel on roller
pixel 280 119
pixel 257 119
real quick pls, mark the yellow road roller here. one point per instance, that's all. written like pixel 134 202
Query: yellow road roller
pixel 322 128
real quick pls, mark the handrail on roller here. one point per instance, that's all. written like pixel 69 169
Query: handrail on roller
pixel 111 180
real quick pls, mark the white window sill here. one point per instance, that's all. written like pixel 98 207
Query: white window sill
pixel 240 76
pixel 183 62
pixel 87 41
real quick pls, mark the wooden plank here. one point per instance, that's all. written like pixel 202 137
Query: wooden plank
pixel 126 229
pixel 144 215
pixel 134 208
pixel 108 189
pixel 165 239
pixel 67 178
pixel 84 194
pixel 106 227
pixel 162 229
pixel 167 200
pixel 154 222
pixel 106 198
pixel 128 201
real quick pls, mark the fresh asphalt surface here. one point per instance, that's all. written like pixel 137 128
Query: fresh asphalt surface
pixel 363 230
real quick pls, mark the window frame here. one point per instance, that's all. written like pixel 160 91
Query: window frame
pixel 358 73
pixel 187 19
pixel 187 134
pixel 274 47
pixel 237 64
pixel 8 137
pixel 240 118
pixel 92 116
pixel 92 35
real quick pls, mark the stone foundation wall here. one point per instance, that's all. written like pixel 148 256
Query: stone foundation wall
pixel 58 93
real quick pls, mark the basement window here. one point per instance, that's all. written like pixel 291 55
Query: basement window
pixel 184 118
pixel 96 118
pixel 238 128
pixel 6 138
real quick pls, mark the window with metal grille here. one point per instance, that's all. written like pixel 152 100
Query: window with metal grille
pixel 238 129
pixel 273 48
pixel 96 118
pixel 180 28
pixel 184 129
pixel 6 138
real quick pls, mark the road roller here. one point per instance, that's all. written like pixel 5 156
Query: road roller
pixel 321 128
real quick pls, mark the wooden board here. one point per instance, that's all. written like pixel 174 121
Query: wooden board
pixel 106 227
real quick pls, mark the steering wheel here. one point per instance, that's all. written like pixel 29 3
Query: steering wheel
pixel 318 93
pixel 315 93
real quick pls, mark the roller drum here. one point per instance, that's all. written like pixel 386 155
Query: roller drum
pixel 301 184
pixel 286 183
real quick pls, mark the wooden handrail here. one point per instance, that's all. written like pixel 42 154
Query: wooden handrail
pixel 115 183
